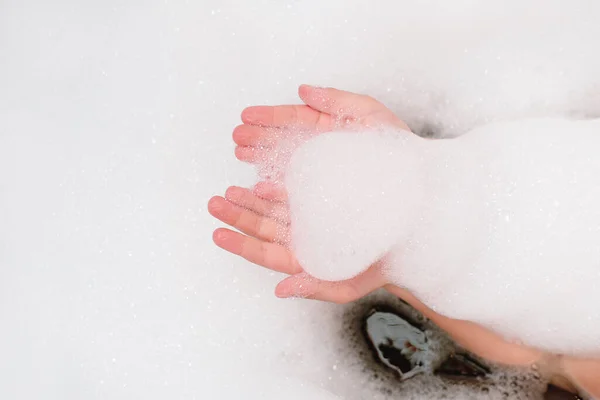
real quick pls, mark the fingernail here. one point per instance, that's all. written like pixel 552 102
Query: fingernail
pixel 232 192
pixel 250 115
pixel 240 135
pixel 213 205
pixel 219 236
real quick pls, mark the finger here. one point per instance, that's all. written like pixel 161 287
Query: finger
pixel 246 221
pixel 257 155
pixel 271 191
pixel 271 164
pixel 338 102
pixel 255 136
pixel 306 286
pixel 247 199
pixel 297 116
pixel 250 154
pixel 269 255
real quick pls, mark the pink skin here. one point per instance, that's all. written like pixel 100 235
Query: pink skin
pixel 260 214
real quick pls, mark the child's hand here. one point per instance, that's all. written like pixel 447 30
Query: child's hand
pixel 325 109
pixel 262 214
pixel 263 242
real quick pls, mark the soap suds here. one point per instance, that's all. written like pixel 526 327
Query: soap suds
pixel 343 192
pixel 499 226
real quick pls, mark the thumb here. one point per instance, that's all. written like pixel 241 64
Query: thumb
pixel 341 292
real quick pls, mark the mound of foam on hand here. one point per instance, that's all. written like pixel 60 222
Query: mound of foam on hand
pixel 500 226
pixel 345 192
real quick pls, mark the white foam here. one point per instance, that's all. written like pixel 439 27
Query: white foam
pixel 500 226
pixel 340 209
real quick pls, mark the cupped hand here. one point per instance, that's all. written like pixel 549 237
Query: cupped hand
pixel 260 216
pixel 324 110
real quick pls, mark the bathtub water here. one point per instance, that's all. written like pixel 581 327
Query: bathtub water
pixel 115 124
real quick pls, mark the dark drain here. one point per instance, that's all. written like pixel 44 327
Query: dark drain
pixel 398 344
pixel 406 349
pixel 402 352
pixel 394 357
